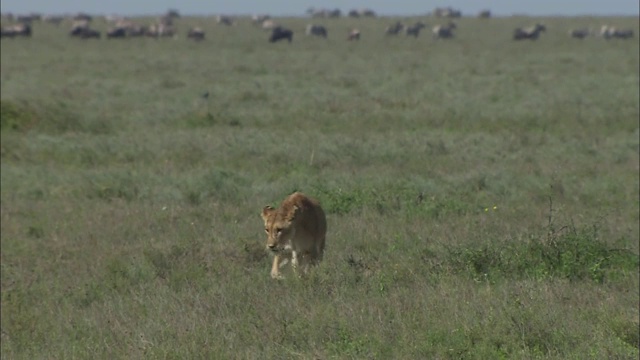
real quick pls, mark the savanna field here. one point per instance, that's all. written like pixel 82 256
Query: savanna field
pixel 482 194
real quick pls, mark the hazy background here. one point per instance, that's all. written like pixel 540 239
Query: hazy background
pixel 293 7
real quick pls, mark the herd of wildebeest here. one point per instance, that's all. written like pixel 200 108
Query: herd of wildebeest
pixel 121 27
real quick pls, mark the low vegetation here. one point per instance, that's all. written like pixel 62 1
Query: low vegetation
pixel 481 194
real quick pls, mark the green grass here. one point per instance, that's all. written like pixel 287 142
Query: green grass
pixel 482 194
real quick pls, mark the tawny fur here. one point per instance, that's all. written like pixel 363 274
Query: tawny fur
pixel 296 232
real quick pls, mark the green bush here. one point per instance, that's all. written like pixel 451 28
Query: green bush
pixel 573 255
pixel 15 116
pixel 50 117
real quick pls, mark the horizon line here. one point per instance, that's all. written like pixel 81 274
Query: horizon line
pixel 298 15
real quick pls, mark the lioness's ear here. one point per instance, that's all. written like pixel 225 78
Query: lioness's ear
pixel 266 211
pixel 292 213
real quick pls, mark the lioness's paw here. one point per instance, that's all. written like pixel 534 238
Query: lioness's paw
pixel 277 276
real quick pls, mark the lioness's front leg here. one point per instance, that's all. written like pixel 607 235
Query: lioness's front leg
pixel 275 268
pixel 279 260
pixel 301 262
pixel 295 261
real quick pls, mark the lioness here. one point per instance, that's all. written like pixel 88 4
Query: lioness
pixel 295 231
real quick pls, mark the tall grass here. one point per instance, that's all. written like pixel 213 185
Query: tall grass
pixel 482 194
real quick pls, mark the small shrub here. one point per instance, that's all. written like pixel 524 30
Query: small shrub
pixel 627 331
pixel 574 255
pixel 339 201
pixel 50 117
pixel 15 116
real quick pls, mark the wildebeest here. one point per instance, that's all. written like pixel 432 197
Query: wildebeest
pixel 77 25
pixel 317 30
pixel 85 33
pixel 168 17
pixel 414 30
pixel 195 33
pixel 80 29
pixel 579 33
pixel 324 13
pixel 136 30
pixel 12 31
pixel 444 31
pixel 116 32
pixel 173 13
pixel 82 17
pixel 394 29
pixel 354 34
pixel 160 30
pixel 259 19
pixel 125 28
pixel 269 25
pixel 225 20
pixel 279 33
pixel 362 13
pixel 610 32
pixel 530 33
pixel 484 14
pixel 447 12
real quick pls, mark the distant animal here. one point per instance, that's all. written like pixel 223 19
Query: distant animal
pixel 18 30
pixel 394 29
pixel 168 18
pixel 529 33
pixel 354 34
pixel 317 30
pixel 367 13
pixel 117 32
pixel 362 13
pixel 279 33
pixel 79 27
pixel 85 33
pixel 610 32
pixel 225 20
pixel 173 13
pixel 579 33
pixel 82 16
pixel 447 12
pixel 484 14
pixel 269 24
pixel 414 30
pixel 160 30
pixel 444 31
pixel 296 232
pixel 259 19
pixel 136 30
pixel 195 34
pixel 80 24
pixel 324 13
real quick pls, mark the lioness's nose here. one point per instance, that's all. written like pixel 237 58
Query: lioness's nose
pixel 272 246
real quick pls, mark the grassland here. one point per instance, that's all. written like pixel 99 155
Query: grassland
pixel 482 194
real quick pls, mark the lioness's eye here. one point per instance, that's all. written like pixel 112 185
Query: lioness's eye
pixel 279 230
pixel 266 230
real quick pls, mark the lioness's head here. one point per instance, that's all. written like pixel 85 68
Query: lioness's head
pixel 278 224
